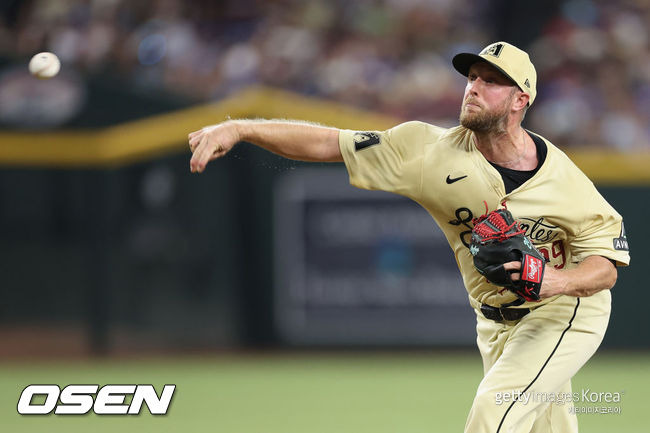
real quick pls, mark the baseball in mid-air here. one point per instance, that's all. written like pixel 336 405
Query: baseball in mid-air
pixel 44 65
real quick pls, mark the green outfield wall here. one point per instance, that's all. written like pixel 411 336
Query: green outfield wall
pixel 107 235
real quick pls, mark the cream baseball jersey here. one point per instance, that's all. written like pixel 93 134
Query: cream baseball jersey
pixel 441 169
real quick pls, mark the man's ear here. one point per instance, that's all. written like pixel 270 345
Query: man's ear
pixel 520 100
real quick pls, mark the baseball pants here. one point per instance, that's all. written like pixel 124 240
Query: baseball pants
pixel 528 365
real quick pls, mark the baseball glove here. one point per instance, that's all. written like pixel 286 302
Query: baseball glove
pixel 497 239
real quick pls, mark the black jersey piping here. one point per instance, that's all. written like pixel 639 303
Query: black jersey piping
pixel 575 311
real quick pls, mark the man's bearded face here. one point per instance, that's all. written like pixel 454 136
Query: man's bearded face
pixel 478 118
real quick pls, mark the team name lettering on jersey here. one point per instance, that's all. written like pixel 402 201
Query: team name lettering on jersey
pixel 464 217
pixel 537 230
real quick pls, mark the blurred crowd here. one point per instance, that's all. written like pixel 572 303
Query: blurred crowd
pixel 391 56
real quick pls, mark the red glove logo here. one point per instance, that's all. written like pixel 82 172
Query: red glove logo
pixel 533 266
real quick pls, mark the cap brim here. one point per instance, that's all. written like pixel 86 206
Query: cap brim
pixel 463 61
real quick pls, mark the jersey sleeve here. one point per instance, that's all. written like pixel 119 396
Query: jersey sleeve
pixel 388 160
pixel 602 233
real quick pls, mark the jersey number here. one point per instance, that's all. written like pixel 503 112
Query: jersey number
pixel 557 250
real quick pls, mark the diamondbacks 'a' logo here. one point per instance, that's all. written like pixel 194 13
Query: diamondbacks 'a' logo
pixel 527 83
pixel 365 139
pixel 493 50
pixel 620 243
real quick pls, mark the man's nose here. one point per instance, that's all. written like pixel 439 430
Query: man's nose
pixel 475 85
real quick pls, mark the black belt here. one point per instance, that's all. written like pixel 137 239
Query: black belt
pixel 500 314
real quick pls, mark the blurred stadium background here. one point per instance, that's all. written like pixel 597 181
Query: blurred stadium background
pixel 276 297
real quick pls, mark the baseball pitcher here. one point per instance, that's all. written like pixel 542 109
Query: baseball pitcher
pixel 536 244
